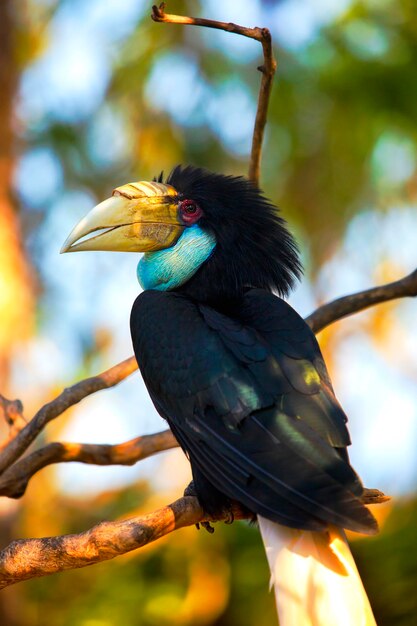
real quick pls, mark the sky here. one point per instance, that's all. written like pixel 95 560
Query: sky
pixel 67 83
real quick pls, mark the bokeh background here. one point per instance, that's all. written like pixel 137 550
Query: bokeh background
pixel 93 95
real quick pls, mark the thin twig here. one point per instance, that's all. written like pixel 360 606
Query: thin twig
pixel 159 15
pixel 14 481
pixel 342 307
pixel 67 398
pixel 268 70
pixel 374 496
pixel 12 413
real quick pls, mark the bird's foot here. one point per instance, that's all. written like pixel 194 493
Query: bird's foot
pixel 190 491
pixel 207 526
pixel 224 511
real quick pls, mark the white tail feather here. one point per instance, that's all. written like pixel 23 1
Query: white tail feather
pixel 315 578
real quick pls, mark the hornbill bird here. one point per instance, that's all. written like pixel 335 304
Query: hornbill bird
pixel 240 378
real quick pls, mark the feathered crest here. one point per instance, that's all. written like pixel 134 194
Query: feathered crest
pixel 159 179
pixel 254 246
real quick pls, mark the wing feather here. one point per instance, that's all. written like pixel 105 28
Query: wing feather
pixel 250 400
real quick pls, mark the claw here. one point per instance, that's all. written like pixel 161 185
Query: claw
pixel 190 491
pixel 208 527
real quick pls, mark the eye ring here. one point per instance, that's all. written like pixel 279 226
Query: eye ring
pixel 190 211
pixel 189 207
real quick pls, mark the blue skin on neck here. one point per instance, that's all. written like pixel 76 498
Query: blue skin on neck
pixel 167 269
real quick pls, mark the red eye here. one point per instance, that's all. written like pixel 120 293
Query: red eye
pixel 190 211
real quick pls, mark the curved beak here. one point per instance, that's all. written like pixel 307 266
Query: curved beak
pixel 139 217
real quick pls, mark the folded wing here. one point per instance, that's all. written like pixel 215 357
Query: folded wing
pixel 249 399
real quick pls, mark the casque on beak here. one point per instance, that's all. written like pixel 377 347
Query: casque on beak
pixel 139 217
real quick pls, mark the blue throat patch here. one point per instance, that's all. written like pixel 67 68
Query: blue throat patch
pixel 167 269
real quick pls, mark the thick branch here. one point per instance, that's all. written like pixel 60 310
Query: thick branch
pixel 342 307
pixel 69 397
pixel 33 558
pixel 268 70
pixel 14 481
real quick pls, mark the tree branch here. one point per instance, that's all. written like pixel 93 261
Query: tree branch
pixel 14 481
pixel 342 307
pixel 268 70
pixel 33 558
pixel 12 413
pixel 53 409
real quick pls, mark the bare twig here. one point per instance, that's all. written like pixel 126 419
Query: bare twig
pixel 342 307
pixel 12 413
pixel 159 15
pixel 268 70
pixel 374 496
pixel 67 398
pixel 14 481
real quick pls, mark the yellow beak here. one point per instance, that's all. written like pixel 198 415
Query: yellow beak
pixel 139 217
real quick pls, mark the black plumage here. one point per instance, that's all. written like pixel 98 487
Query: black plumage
pixel 254 248
pixel 239 375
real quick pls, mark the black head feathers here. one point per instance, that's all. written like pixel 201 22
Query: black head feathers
pixel 254 246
